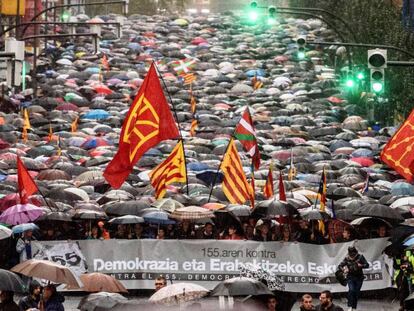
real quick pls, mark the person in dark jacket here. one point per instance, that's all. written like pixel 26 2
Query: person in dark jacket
pixel 326 304
pixel 33 298
pixel 52 300
pixel 352 267
pixel 6 301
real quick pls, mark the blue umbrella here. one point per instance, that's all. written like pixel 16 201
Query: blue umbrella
pixel 255 72
pixel 158 218
pixel 97 114
pixel 92 70
pixel 198 166
pixel 402 188
pixel 409 241
pixel 24 227
pixel 362 152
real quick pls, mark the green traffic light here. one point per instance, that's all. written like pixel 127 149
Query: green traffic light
pixel 350 83
pixel 271 21
pixel 65 16
pixel 253 16
pixel 377 87
pixel 301 55
pixel 360 76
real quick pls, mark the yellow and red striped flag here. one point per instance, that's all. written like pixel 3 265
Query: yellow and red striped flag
pixel 74 125
pixel 171 170
pixel 26 124
pixel 193 104
pixel 322 198
pixel 235 185
pixel 257 83
pixel 50 136
pixel 268 190
pixel 194 125
pixel 189 78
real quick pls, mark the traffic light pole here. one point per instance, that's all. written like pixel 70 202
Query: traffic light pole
pixel 364 45
pixel 329 25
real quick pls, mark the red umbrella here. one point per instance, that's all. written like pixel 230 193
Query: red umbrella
pixel 4 144
pixel 102 89
pixel 335 100
pixel 67 107
pixel 363 161
pixel 13 199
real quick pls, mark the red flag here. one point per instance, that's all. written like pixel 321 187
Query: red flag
pixel 246 134
pixel 282 193
pixel 148 122
pixel 268 188
pixel 26 183
pixel 398 153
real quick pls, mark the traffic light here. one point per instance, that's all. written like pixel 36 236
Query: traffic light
pixel 271 15
pixel 65 16
pixel 253 14
pixel 377 62
pixel 301 42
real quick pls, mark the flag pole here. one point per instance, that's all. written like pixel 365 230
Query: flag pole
pixel 218 170
pixel 178 123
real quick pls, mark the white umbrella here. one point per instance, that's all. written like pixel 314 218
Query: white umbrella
pixel 5 232
pixel 178 293
pixel 403 202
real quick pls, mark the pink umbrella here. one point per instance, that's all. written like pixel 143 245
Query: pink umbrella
pixel 21 214
pixel 363 161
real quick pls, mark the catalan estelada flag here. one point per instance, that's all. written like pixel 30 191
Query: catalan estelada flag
pixel 268 190
pixel 398 153
pixel 292 168
pixel 50 135
pixel 235 185
pixel 169 171
pixel 148 122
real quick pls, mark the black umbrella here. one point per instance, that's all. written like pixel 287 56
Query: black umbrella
pixel 10 281
pixel 314 214
pixel 127 219
pixel 378 210
pixel 272 208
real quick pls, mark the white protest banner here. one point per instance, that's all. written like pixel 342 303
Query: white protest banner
pixel 300 267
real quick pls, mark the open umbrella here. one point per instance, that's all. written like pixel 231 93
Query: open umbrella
pixel 240 286
pixel 48 270
pixel 127 219
pixel 191 213
pixel 99 282
pixel 378 210
pixel 10 281
pixel 24 227
pixel 178 293
pixel 101 300
pixel 5 232
pixel 20 214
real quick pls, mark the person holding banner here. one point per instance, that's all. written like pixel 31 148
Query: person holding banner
pixel 352 266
